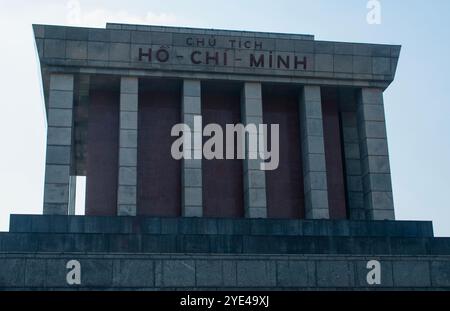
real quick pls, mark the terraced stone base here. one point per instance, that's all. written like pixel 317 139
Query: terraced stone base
pixel 141 253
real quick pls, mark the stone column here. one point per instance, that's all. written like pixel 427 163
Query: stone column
pixel 127 185
pixel 374 155
pixel 313 154
pixel 191 184
pixel 355 194
pixel 80 136
pixel 59 144
pixel 254 178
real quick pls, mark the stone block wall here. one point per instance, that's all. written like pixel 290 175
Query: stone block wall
pixel 222 272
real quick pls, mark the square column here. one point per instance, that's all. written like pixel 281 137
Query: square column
pixel 255 201
pixel 127 185
pixel 191 175
pixel 59 144
pixel 355 194
pixel 313 154
pixel 374 152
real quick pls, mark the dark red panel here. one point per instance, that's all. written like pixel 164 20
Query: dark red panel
pixel 102 153
pixel 159 175
pixel 333 154
pixel 285 195
pixel 222 179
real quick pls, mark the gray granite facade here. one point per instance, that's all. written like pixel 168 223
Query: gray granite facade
pixel 199 53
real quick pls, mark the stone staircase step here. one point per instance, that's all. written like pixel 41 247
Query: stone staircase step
pixel 220 244
pixel 216 226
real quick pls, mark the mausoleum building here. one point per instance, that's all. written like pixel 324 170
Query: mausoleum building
pixel 112 97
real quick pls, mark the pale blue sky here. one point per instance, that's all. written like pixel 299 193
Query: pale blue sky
pixel 417 103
